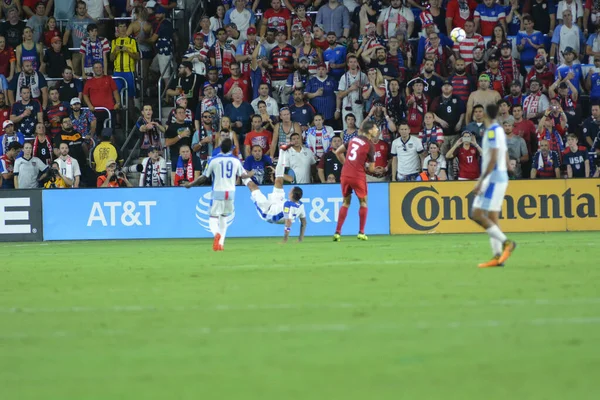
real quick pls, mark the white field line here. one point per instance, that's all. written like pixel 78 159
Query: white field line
pixel 313 328
pixel 304 306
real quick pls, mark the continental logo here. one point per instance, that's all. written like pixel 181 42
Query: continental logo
pixel 446 208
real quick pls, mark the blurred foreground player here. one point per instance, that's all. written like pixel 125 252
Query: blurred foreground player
pixel 491 187
pixel 360 151
pixel 223 169
pixel 276 209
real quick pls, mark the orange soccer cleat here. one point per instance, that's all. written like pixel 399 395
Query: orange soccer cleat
pixel 216 242
pixel 492 263
pixel 509 247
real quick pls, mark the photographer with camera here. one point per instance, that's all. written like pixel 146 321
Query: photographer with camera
pixel 56 180
pixel 349 98
pixel 113 178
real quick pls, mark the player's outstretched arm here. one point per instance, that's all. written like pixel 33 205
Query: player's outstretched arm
pixel 287 228
pixel 302 229
pixel 197 182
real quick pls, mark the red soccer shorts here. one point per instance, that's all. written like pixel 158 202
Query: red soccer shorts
pixel 358 185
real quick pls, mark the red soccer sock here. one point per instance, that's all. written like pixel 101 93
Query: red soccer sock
pixel 362 214
pixel 341 218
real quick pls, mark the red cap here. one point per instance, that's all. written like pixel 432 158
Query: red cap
pixel 322 65
pixel 251 31
pixel 199 34
pixel 56 39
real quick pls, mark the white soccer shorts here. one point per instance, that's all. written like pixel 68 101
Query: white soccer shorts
pixel 269 207
pixel 491 197
pixel 221 207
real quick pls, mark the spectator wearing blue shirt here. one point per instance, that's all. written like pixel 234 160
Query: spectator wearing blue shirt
pixel 260 165
pixel 26 113
pixel 302 112
pixel 514 16
pixel 335 17
pixel 569 66
pixel 335 55
pixel 529 41
pixel 424 41
pixel 239 112
pixel 592 82
pixel 320 90
pixel 162 38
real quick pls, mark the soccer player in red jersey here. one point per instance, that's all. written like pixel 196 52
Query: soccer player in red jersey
pixel 354 178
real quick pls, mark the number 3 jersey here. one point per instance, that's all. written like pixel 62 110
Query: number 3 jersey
pixel 359 151
pixel 224 169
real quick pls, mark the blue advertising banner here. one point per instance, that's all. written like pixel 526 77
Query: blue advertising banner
pixel 144 213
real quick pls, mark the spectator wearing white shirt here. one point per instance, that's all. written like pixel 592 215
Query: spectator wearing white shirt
pixel 407 153
pixel 27 169
pixel 395 18
pixel 299 159
pixel 576 8
pixel 349 91
pixel 441 169
pixel 263 94
pixel 566 35
pixel 68 166
pixel 242 17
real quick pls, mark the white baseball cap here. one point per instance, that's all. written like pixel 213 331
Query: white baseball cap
pixel 7 123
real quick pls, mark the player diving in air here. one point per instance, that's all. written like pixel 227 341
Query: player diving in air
pixel 276 208
pixel 491 187
pixel 354 178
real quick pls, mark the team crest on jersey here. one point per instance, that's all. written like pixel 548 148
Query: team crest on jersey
pixel 491 134
pixel 286 209
pixel 454 101
pixel 303 111
pixel 465 82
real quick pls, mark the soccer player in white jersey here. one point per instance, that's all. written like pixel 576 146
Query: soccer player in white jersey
pixel 491 187
pixel 276 208
pixel 223 169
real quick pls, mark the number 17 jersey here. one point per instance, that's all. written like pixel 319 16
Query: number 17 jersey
pixel 359 151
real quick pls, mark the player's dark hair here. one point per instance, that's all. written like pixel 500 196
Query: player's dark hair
pixel 367 126
pixel 91 27
pixel 220 30
pixel 226 145
pixel 255 116
pixel 477 106
pixel 517 106
pixel 500 102
pixel 572 136
pixel 297 193
pixel 256 145
pixel 492 110
pixel 24 87
pixel 350 115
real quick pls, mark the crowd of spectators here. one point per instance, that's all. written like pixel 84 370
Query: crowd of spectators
pixel 305 75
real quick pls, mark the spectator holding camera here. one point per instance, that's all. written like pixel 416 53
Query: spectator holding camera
pixel 259 165
pixel 153 169
pixel 30 170
pixel 56 179
pixel 112 178
pixel 187 168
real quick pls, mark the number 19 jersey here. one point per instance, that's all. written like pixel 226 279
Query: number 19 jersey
pixel 360 150
pixel 224 169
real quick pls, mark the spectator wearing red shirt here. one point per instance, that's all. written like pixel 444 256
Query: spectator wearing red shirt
pixel 381 158
pixel 458 12
pixel 277 18
pixel 527 130
pixel 541 72
pixel 4 111
pixel 258 136
pixel 237 80
pixel 468 152
pixel 7 59
pixel 101 91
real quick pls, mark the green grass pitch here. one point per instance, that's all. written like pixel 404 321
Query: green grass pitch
pixel 397 317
